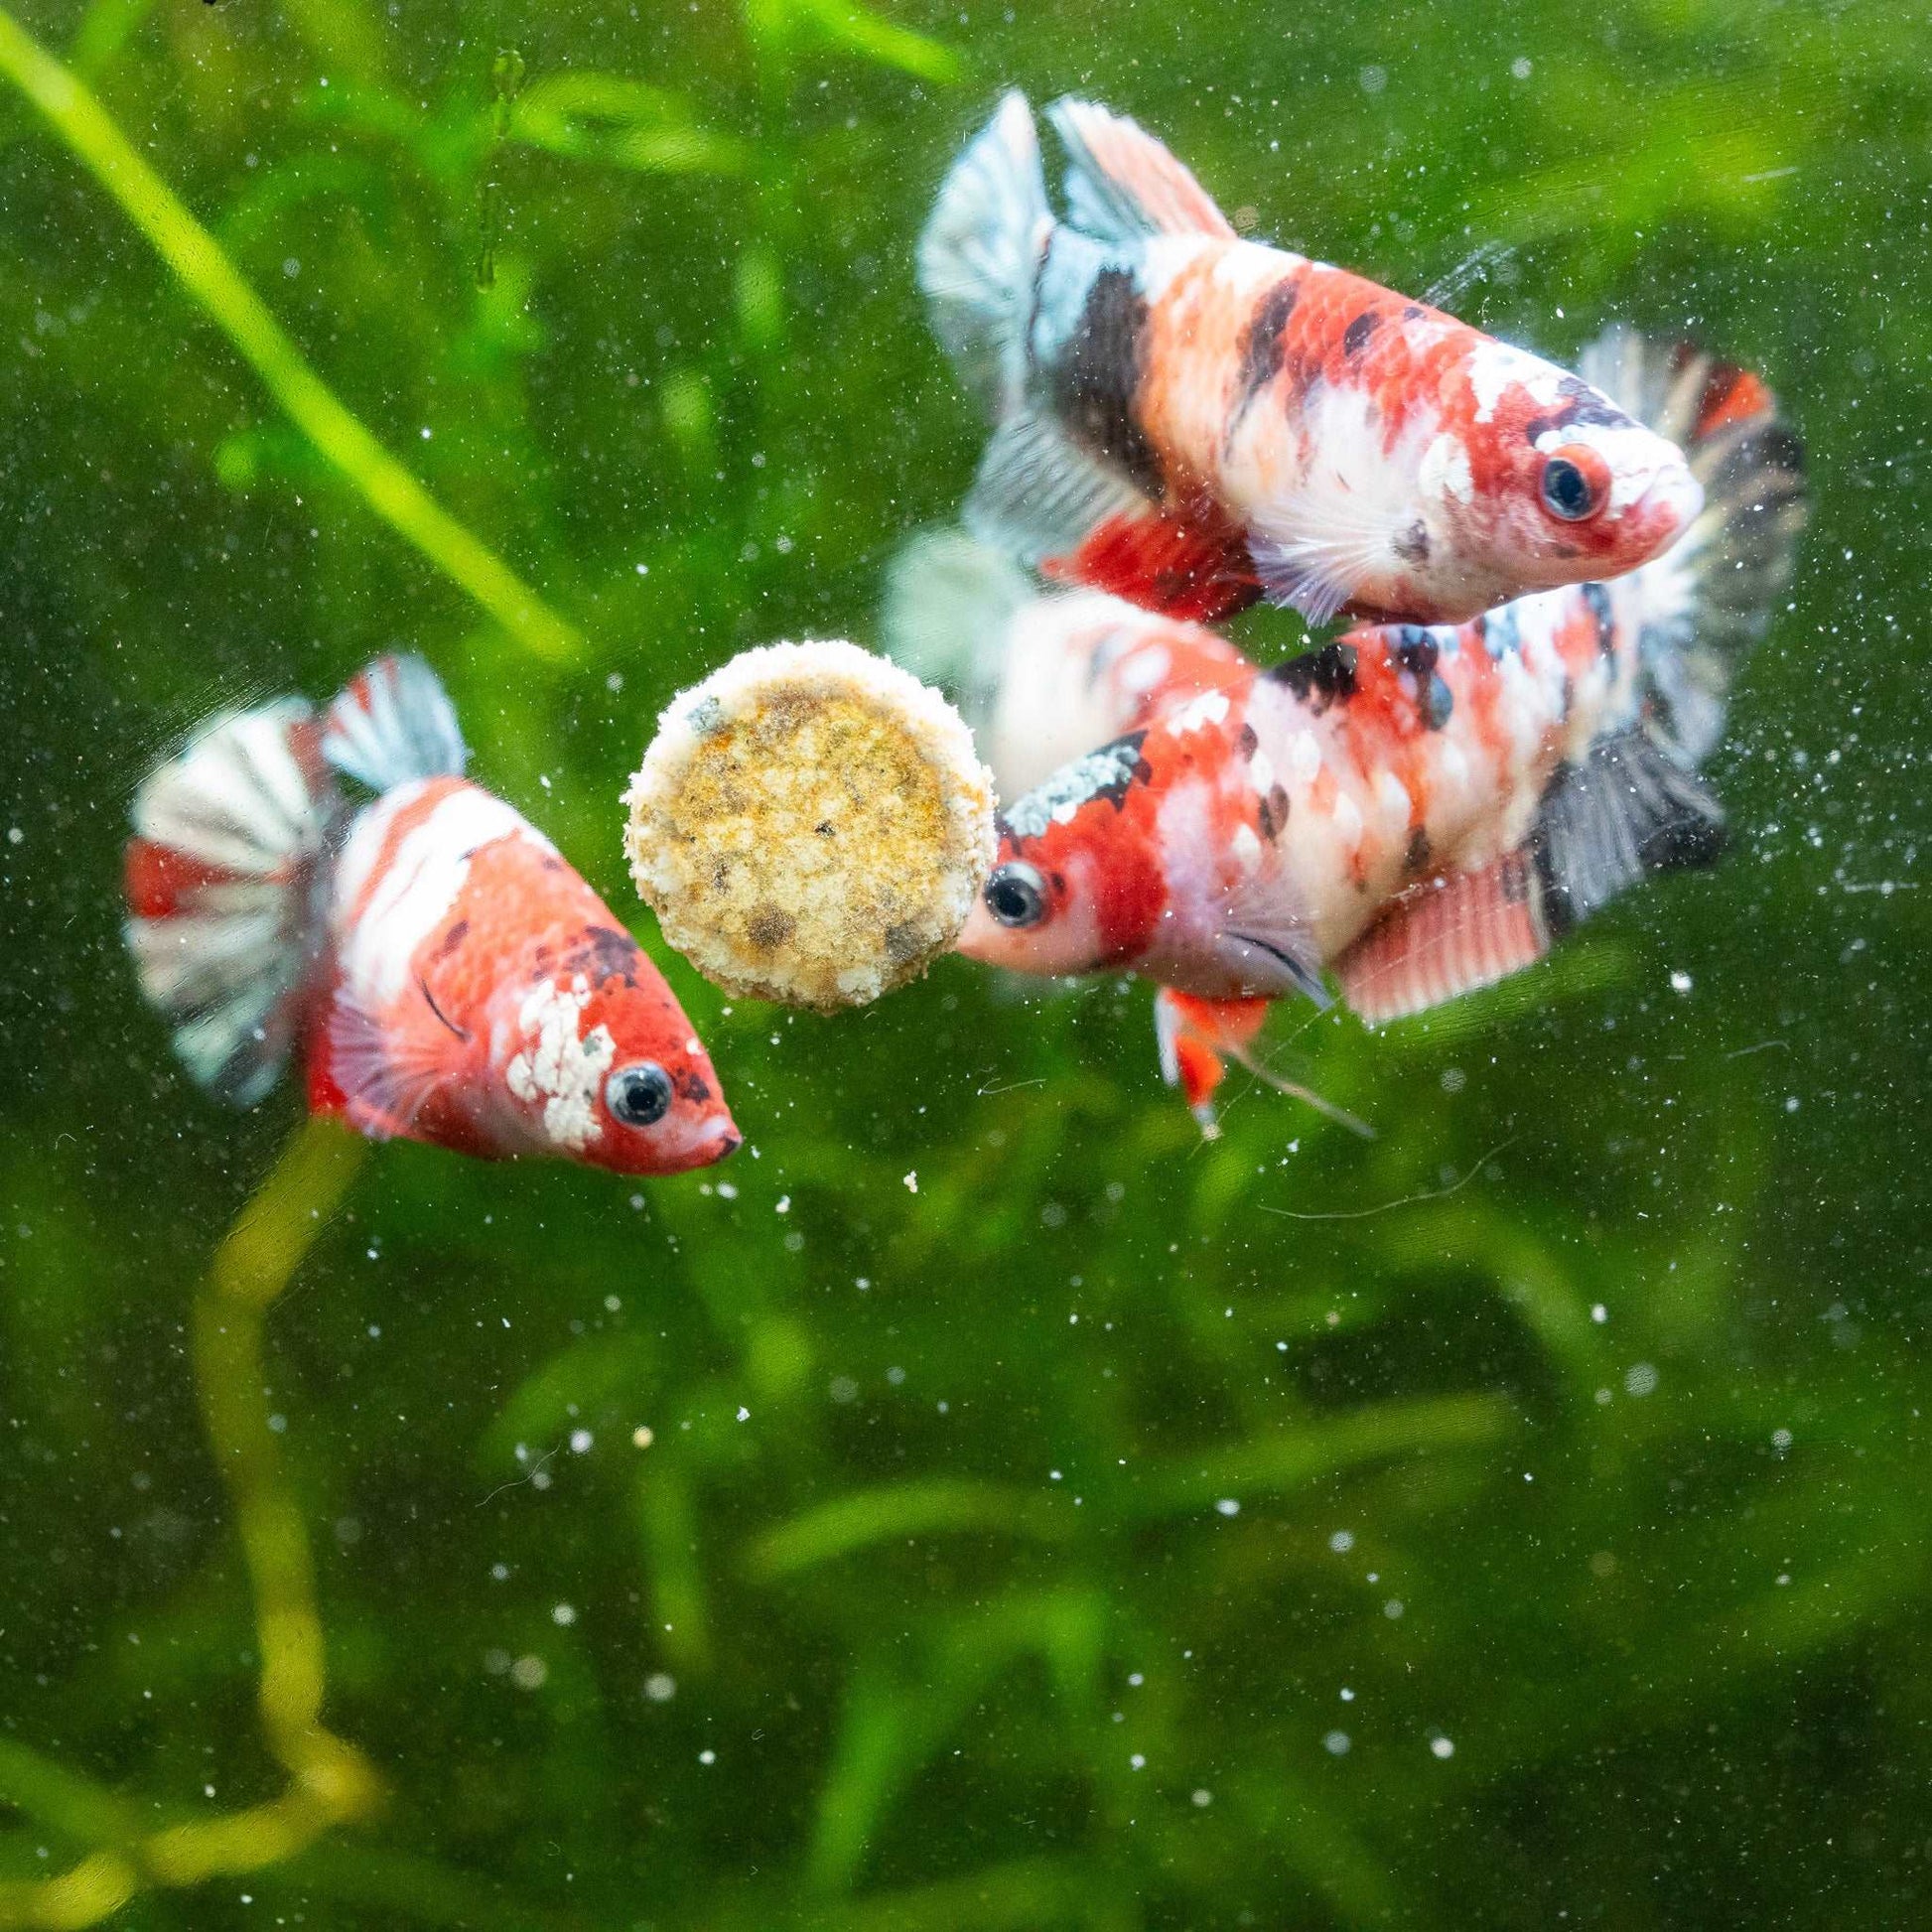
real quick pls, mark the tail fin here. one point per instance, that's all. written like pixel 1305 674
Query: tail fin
pixel 978 251
pixel 393 724
pixel 949 607
pixel 223 890
pixel 1703 604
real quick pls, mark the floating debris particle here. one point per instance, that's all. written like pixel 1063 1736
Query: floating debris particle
pixel 810 825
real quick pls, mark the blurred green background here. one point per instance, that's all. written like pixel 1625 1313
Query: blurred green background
pixel 1117 1531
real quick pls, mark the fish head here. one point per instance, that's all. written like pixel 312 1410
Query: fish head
pixel 1078 881
pixel 601 1065
pixel 1536 480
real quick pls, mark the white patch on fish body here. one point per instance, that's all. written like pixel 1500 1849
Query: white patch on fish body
pixel 1210 708
pixel 557 1068
pixel 1493 367
pixel 1444 471
pixel 1303 757
pixel 1261 772
pixel 1346 817
pixel 1392 796
pixel 1247 848
pixel 1110 768
pixel 418 888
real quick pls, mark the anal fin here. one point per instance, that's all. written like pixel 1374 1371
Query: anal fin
pixel 1446 937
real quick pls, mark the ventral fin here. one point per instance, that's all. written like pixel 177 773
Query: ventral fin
pixel 1178 565
pixel 1626 810
pixel 1122 185
pixel 1193 1036
pixel 1446 937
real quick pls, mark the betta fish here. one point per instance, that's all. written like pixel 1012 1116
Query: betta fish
pixel 1422 810
pixel 1196 421
pixel 444 975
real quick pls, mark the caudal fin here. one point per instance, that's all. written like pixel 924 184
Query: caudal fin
pixel 222 875
pixel 980 249
pixel 393 724
pixel 1701 606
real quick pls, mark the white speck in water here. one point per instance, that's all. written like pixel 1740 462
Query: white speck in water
pixel 564 1614
pixel 1138 1761
pixel 783 1205
pixel 530 1673
pixel 1342 1542
pixel 1598 1312
pixel 1348 1696
pixel 1640 1378
pixel 1520 67
pixel 1335 1744
pixel 1228 1506
pixel 913 1182
pixel 1680 982
pixel 843 1389
pixel 707 1757
pixel 1373 79
pixel 579 1441
pixel 660 1686
pixel 1393 1608
pixel 1442 1748
pixel 641 1436
pixel 1204 1798
pixel 499 1573
pixel 743 1415
pixel 727 1190
pixel 1780 1439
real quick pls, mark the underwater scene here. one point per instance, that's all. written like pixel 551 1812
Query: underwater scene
pixel 1210 1214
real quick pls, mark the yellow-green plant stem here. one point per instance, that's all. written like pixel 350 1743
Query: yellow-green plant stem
pixel 213 281
pixel 329 1780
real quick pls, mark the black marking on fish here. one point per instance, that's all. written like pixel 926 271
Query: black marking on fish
pixel 462 1033
pixel 1109 772
pixel 1274 813
pixel 1247 744
pixel 1412 311
pixel 1411 544
pixel 1580 408
pixel 601 953
pixel 451 939
pixel 1262 348
pixel 1354 338
pixel 693 1086
pixel 1415 859
pixel 1417 652
pixel 1319 677
pixel 1099 374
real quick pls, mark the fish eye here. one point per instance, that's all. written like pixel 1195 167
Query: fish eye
pixel 1016 895
pixel 639 1095
pixel 1576 484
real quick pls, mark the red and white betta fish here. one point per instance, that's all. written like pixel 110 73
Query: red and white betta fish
pixel 1421 810
pixel 1196 421
pixel 444 974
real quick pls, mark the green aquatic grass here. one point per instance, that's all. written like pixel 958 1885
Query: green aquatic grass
pixel 1004 1541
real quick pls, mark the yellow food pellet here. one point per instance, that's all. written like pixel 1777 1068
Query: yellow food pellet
pixel 810 825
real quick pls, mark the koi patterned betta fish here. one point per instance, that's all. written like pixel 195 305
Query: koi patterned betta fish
pixel 1196 421
pixel 1422 809
pixel 444 974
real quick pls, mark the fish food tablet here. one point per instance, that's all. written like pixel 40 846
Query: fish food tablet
pixel 811 825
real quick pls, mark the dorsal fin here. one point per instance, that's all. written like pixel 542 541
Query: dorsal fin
pixel 393 724
pixel 1122 185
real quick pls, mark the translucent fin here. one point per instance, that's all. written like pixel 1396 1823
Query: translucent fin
pixel 1309 575
pixel 1039 495
pixel 980 250
pixel 949 607
pixel 1122 185
pixel 222 880
pixel 392 725
pixel 1627 810
pixel 1446 937
pixel 1196 1037
pixel 1701 607
pixel 387 1071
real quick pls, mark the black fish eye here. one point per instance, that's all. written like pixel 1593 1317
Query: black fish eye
pixel 1566 491
pixel 1016 895
pixel 638 1095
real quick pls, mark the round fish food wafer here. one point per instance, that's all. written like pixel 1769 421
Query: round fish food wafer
pixel 811 825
